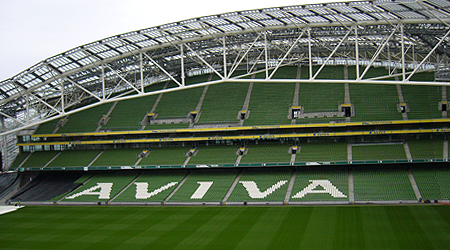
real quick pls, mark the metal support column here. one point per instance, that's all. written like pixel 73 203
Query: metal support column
pixel 403 53
pixel 357 52
pixel 224 58
pixel 265 54
pixel 142 71
pixel 310 54
pixel 182 66
pixel 103 82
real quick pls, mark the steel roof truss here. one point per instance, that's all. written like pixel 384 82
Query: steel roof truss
pixel 204 61
pixel 428 55
pixel 45 103
pixel 163 70
pixel 287 53
pixel 235 66
pixel 332 53
pixel 12 118
pixel 377 53
pixel 82 88
pixel 123 79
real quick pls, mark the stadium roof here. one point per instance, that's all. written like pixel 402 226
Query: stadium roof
pixel 220 44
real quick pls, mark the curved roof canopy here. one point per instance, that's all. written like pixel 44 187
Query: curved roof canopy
pixel 408 35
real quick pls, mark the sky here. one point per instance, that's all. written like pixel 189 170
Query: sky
pixel 31 30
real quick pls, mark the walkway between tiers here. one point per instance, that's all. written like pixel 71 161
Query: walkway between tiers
pixel 351 188
pixel 178 187
pixel 247 100
pixel 414 184
pixel 400 96
pixel 156 102
pixel 297 90
pixel 232 187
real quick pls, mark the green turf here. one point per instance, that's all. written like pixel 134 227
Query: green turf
pixel 330 227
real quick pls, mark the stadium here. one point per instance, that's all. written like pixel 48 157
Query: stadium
pixel 321 125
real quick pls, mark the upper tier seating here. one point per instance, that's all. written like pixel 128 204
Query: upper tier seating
pixel 74 158
pixel 426 148
pixel 323 151
pixel 215 154
pixel 378 152
pixel 165 156
pixel 267 153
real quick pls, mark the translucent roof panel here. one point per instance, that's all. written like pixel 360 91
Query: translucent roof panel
pixel 81 63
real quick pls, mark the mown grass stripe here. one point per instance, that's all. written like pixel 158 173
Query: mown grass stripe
pixel 292 229
pixel 346 237
pixel 236 231
pixel 406 228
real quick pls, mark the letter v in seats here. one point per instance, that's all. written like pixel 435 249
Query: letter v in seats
pixel 142 189
pixel 255 193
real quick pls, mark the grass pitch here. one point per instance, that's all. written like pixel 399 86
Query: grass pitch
pixel 283 227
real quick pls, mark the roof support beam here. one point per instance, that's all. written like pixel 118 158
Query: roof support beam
pixel 162 69
pixel 310 54
pixel 357 52
pixel 12 118
pixel 377 53
pixel 205 62
pixel 428 55
pixel 287 53
pixel 45 103
pixel 82 88
pixel 121 77
pixel 243 56
pixel 332 53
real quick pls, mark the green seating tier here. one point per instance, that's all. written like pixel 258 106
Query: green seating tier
pixel 119 182
pixel 223 102
pixel 313 152
pixel 423 101
pixel 165 156
pixel 207 187
pixel 426 148
pixel 374 102
pixel 380 185
pixel 166 126
pixel 179 103
pixel 339 179
pixel 267 153
pixel 215 154
pixel 118 157
pixel 128 114
pixel 74 158
pixel 38 159
pixel 270 186
pixel 269 103
pixel 85 121
pixel 321 97
pixel 378 152
pixel 164 182
pixel 433 184
pixel 47 128
pixel 19 159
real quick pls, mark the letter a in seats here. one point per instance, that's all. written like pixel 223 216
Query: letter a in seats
pixel 328 188
pixel 104 193
pixel 255 193
pixel 142 189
